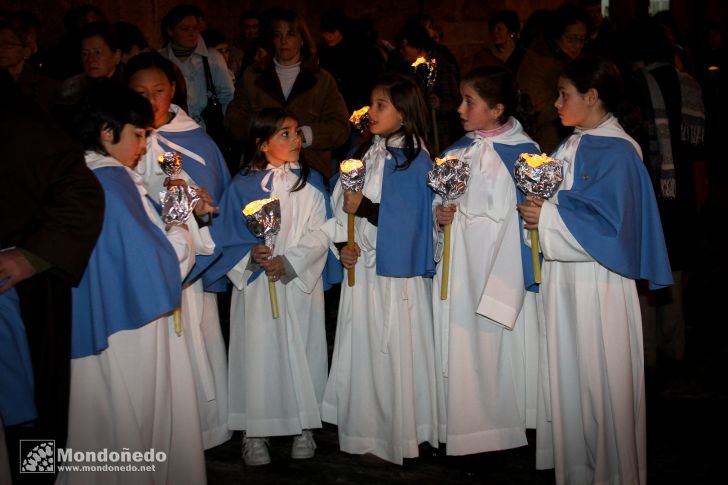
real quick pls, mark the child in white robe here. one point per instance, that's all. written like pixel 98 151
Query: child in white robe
pixel 598 234
pixel 278 367
pixel 152 75
pixel 131 381
pixel 381 390
pixel 481 347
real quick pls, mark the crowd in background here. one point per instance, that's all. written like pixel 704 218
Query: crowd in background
pixel 222 80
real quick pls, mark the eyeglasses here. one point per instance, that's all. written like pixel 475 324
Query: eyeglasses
pixel 574 39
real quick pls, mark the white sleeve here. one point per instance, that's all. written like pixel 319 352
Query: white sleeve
pixel 184 247
pixel 308 256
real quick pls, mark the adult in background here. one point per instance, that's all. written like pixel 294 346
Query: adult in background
pixel 414 42
pixel 101 55
pixel 673 115
pixel 564 39
pixel 51 207
pixel 248 47
pixel 355 65
pixel 183 46
pixel 289 78
pixel 504 48
pixel 16 46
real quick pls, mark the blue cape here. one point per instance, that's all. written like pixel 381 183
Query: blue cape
pixel 17 404
pixel 231 231
pixel 404 232
pixel 509 154
pixel 213 176
pixel 132 277
pixel 612 212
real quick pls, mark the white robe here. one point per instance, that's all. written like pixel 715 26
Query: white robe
pixel 594 338
pixel 481 353
pixel 142 383
pixel 278 367
pixel 381 390
pixel 200 319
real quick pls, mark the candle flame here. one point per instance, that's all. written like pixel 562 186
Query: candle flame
pixel 420 60
pixel 350 164
pixel 358 114
pixel 253 207
pixel 535 160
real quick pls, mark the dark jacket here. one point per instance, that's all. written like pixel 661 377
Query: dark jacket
pixel 314 101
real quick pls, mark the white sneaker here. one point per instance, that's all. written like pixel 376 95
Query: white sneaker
pixel 255 451
pixel 303 446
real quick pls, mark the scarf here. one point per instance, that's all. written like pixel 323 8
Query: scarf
pixel 182 53
pixel 660 145
pixel 693 110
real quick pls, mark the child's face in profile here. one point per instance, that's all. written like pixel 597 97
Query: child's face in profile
pixel 285 144
pixel 384 119
pixel 572 105
pixel 475 112
pixel 131 146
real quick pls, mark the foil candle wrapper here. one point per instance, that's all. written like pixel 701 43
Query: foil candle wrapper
pixel 352 175
pixel 178 202
pixel 360 119
pixel 449 177
pixel 427 69
pixel 171 164
pixel 538 175
pixel 264 218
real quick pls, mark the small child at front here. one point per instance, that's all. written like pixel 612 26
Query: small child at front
pixel 598 234
pixel 481 352
pixel 278 367
pixel 381 391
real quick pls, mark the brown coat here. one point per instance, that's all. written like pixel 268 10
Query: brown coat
pixel 314 100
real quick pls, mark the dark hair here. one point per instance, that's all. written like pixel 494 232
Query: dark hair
pixel 129 36
pixel 406 97
pixel 564 16
pixel 495 85
pixel 248 14
pixel 76 17
pixel 509 18
pixel 308 47
pixel 334 19
pixel 175 16
pixel 147 60
pixel 153 59
pixel 101 29
pixel 109 105
pixel 263 126
pixel 21 30
pixel 416 35
pixel 596 73
pixel 214 38
pixel 651 42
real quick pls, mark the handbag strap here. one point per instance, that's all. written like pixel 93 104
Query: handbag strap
pixel 208 77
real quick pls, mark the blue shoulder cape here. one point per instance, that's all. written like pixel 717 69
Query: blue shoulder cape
pixel 509 154
pixel 213 176
pixel 404 232
pixel 611 210
pixel 133 275
pixel 17 403
pixel 231 232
